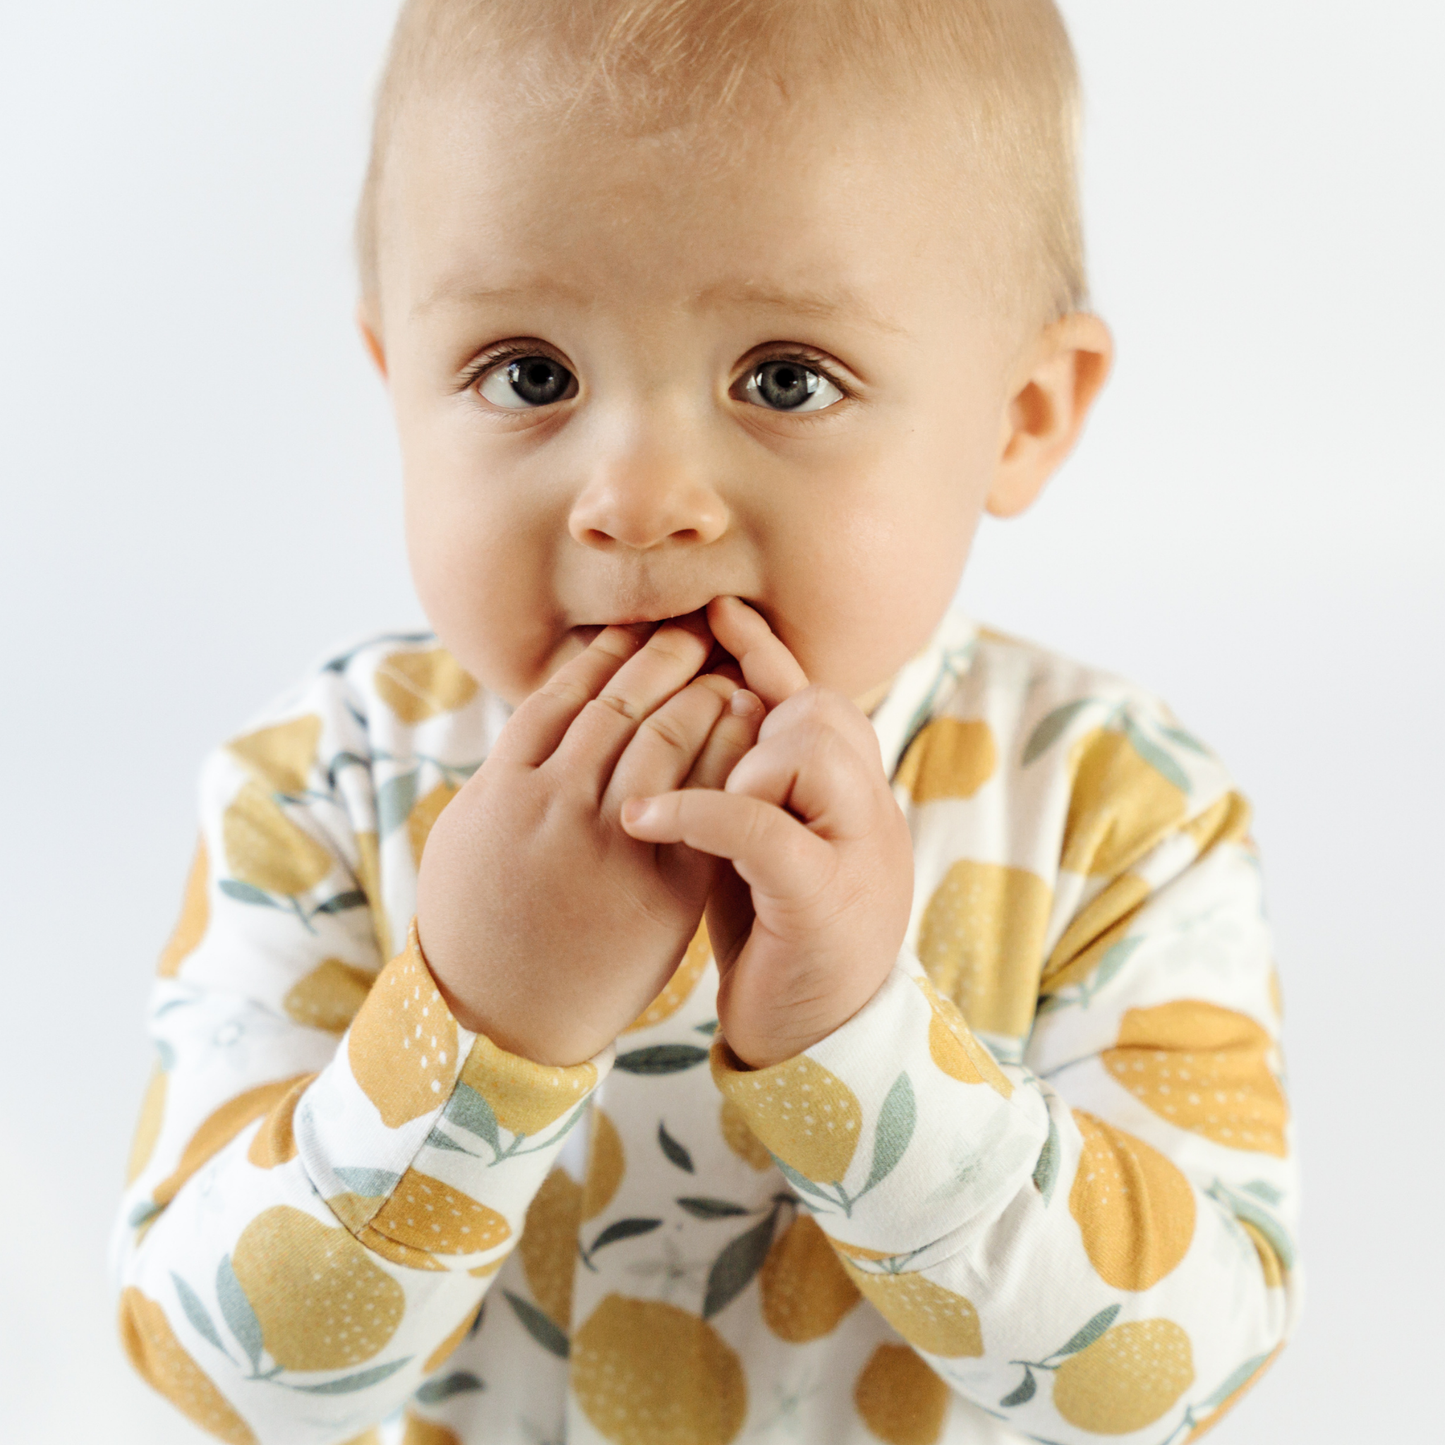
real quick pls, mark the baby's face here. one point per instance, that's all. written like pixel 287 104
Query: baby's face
pixel 634 374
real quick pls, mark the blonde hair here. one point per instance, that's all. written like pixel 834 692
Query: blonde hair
pixel 1005 67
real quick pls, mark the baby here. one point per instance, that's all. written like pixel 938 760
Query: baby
pixel 709 990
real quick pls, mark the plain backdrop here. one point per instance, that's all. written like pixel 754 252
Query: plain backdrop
pixel 201 497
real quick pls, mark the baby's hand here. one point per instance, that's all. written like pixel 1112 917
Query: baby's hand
pixel 822 850
pixel 547 927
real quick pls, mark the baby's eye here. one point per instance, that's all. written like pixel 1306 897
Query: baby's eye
pixel 784 385
pixel 527 382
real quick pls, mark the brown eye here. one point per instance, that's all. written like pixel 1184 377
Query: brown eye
pixel 784 385
pixel 527 382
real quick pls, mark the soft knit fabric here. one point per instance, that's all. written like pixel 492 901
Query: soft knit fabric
pixel 1040 1187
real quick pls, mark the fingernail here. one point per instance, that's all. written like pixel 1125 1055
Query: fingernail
pixel 744 703
pixel 635 811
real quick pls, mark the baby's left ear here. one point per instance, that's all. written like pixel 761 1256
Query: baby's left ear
pixel 1056 385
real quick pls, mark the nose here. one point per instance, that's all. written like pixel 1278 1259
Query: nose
pixel 640 497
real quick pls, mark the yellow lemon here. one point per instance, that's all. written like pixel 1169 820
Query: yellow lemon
pixel 805 1290
pixel 676 990
pixel 220 1128
pixel 148 1128
pixel 1204 1069
pixel 368 875
pixel 606 1164
pixel 195 916
pixel 1092 932
pixel 329 996
pixel 1132 1205
pixel 275 1141
pixel 1119 808
pixel 953 1048
pixel 267 850
pixel 443 1351
pixel 548 1245
pixel 740 1139
pixel 1269 1262
pixel 1129 1377
pixel 322 1304
pixel 950 758
pixel 281 755
pixel 163 1364
pixel 982 941
pixel 392 1250
pixel 929 1317
pixel 419 685
pixel 525 1096
pixel 1224 821
pixel 804 1114
pixel 403 1043
pixel 423 816
pixel 427 1432
pixel 426 1213
pixel 648 1373
pixel 899 1398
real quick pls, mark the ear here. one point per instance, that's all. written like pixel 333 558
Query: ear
pixel 1056 385
pixel 371 336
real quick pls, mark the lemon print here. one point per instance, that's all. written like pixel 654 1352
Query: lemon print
pixel 1120 806
pixel 799 1110
pixel 283 755
pixel 953 1048
pixel 899 1398
pixel 1092 932
pixel 606 1164
pixel 443 1351
pixel 148 1128
pixel 1129 1377
pixel 950 758
pixel 164 1365
pixel 393 1251
pixel 1269 1261
pixel 648 1373
pixel 419 685
pixel 219 1129
pixel 423 816
pixel 267 850
pixel 1204 1069
pixel 195 915
pixel 805 1290
pixel 1231 1400
pixel 1226 821
pixel 368 875
pixel 525 1096
pixel 275 1141
pixel 549 1245
pixel 403 1044
pixel 427 1214
pixel 684 979
pixel 329 996
pixel 929 1317
pixel 427 1432
pixel 1132 1205
pixel 858 1251
pixel 740 1139
pixel 982 941
pixel 322 1304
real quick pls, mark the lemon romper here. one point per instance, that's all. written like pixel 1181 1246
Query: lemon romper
pixel 1040 1187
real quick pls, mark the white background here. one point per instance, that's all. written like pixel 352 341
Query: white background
pixel 200 497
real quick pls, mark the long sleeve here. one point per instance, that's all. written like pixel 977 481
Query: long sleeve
pixel 1080 1210
pixel 312 1220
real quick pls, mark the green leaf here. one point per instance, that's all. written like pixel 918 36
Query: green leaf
pixel 359 1381
pixel 353 898
pixel 468 1110
pixel 438 1140
pixel 344 760
pixel 146 1209
pixel 734 1269
pixel 1240 1377
pixel 1046 1171
pixel 236 1309
pixel 394 802
pixel 661 1059
pixel 570 1123
pixel 372 1183
pixel 799 1181
pixel 1155 756
pixel 895 1129
pixel 1184 739
pixel 166 1054
pixel 1264 1190
pixel 1261 1219
pixel 245 893
pixel 196 1312
pixel 709 1028
pixel 711 1208
pixel 1113 960
pixel 1024 1393
pixel 539 1326
pixel 1048 732
pixel 1091 1331
pixel 457 1383
pixel 623 1229
pixel 675 1152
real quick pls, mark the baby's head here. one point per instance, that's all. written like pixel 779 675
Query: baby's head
pixel 680 299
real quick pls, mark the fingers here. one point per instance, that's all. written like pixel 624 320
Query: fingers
pixel 734 733
pixel 666 745
pixel 774 854
pixel 769 669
